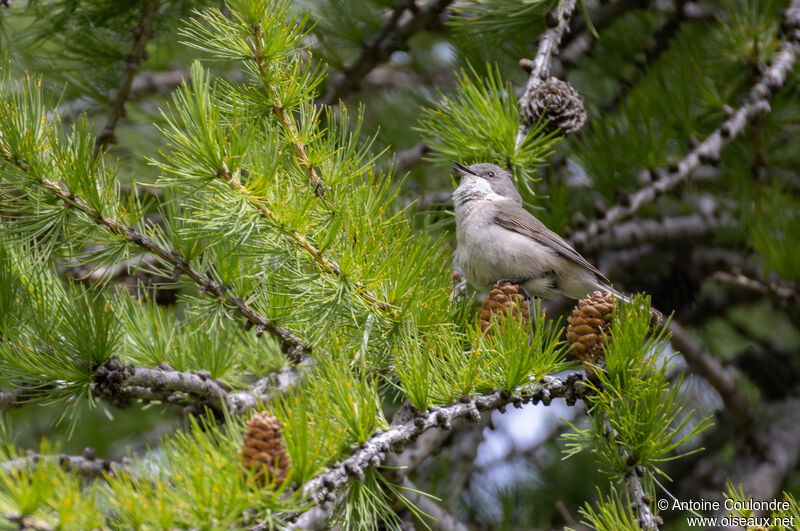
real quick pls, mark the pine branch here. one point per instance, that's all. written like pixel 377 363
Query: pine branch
pixel 708 151
pixel 406 427
pixel 287 122
pixel 694 227
pixel 641 501
pixel 121 383
pixel 86 465
pixel 395 31
pixel 787 293
pixel 714 373
pixel 133 61
pixel 325 264
pixel 542 63
pixel 296 348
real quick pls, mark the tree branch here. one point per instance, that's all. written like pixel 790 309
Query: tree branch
pixel 86 465
pixel 786 293
pixel 286 120
pixel 755 104
pixel 132 63
pixel 324 263
pixel 541 64
pixel 296 348
pixel 714 373
pixel 409 426
pixel 641 501
pixel 703 224
pixel 121 383
pixel 392 36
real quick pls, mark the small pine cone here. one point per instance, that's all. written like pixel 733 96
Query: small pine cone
pixel 558 103
pixel 590 326
pixel 263 451
pixel 503 298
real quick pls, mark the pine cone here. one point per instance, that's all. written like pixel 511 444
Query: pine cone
pixel 263 451
pixel 590 326
pixel 503 299
pixel 558 103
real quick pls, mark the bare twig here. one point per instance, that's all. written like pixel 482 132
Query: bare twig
pixel 713 371
pixel 392 36
pixel 693 227
pixel 122 383
pixel 785 292
pixel 641 500
pixel 132 63
pixel 406 427
pixel 756 103
pixel 541 64
pixel 86 465
pixel 296 348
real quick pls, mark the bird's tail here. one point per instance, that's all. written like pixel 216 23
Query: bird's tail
pixel 656 317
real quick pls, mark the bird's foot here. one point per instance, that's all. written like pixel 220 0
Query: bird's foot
pixel 517 281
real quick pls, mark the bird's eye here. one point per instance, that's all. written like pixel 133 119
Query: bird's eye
pixel 491 174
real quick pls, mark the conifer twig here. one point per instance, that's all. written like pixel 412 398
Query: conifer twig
pixel 406 427
pixel 542 63
pixel 641 501
pixel 286 120
pixel 392 36
pixel 708 151
pixel 132 63
pixel 297 347
pixel 326 264
pixel 121 383
pixel 86 465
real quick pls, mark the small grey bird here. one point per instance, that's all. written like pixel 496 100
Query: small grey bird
pixel 499 240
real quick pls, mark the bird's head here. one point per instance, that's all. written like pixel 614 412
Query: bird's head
pixel 484 182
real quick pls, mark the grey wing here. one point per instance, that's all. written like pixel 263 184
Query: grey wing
pixel 513 217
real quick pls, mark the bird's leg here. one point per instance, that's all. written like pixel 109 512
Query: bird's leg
pixel 518 281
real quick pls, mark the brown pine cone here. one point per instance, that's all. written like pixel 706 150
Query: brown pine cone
pixel 558 103
pixel 504 298
pixel 264 452
pixel 590 326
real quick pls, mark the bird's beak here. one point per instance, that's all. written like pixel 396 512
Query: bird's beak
pixel 462 170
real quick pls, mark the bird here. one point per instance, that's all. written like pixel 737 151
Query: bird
pixel 498 240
